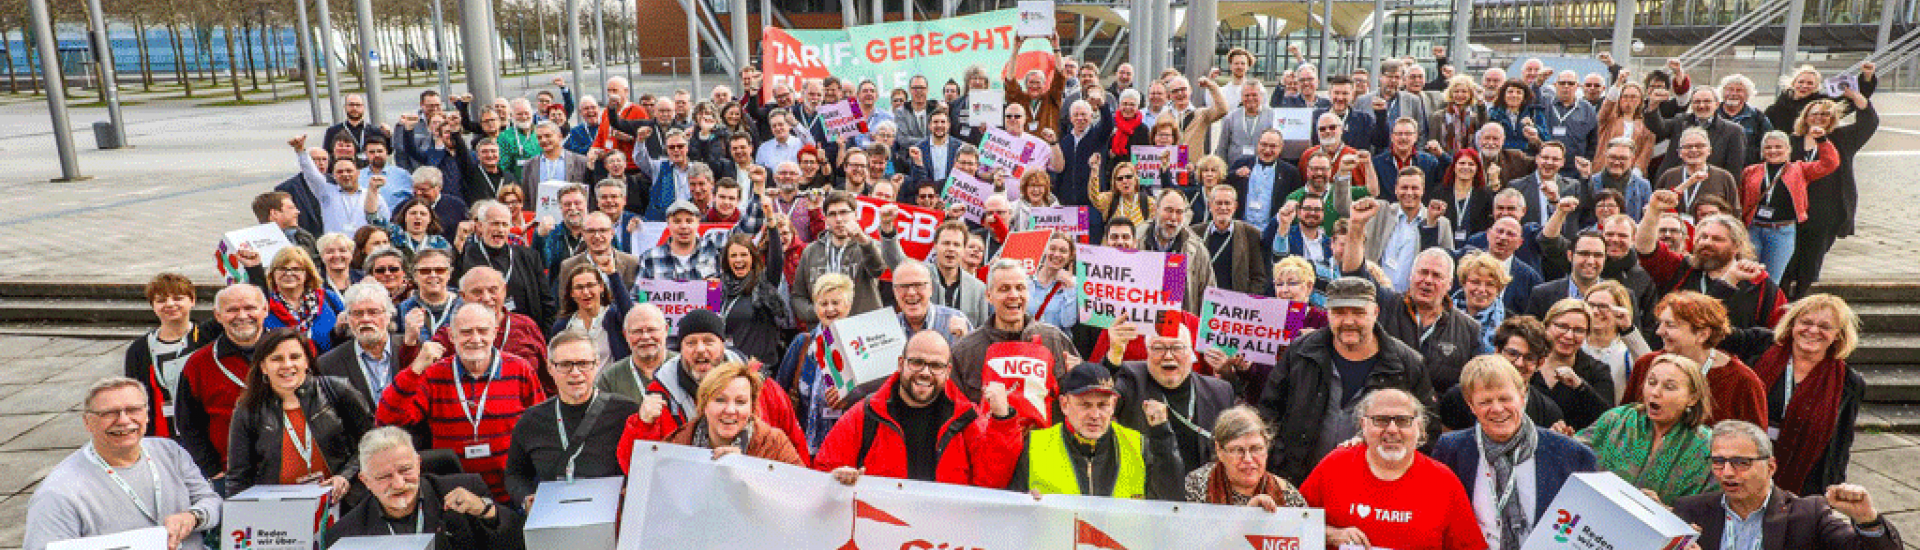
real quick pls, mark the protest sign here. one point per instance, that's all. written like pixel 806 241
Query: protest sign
pixel 985 107
pixel 681 497
pixel 678 298
pixel 890 54
pixel 150 538
pixel 1026 247
pixel 1160 165
pixel 861 348
pixel 913 228
pixel 1026 369
pixel 1598 510
pixel 1072 220
pixel 1837 85
pixel 547 203
pixel 1036 18
pixel 275 517
pixel 266 239
pixel 1296 129
pixel 1128 286
pixel 968 191
pixel 843 120
pixel 1258 327
pixel 1017 154
pixel 654 234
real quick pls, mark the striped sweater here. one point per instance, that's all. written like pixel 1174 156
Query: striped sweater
pixel 434 399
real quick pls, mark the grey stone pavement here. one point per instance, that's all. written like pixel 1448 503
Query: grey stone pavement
pixel 163 204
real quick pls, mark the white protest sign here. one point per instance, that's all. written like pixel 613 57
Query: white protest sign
pixel 646 237
pixel 1258 327
pixel 1131 286
pixel 678 298
pixel 1296 129
pixel 1036 18
pixel 1152 163
pixel 843 119
pixel 984 107
pixel 547 203
pixel 1837 85
pixel 676 495
pixel 266 239
pixel 1072 220
pixel 864 347
pixel 965 190
pixel 1017 154
pixel 151 538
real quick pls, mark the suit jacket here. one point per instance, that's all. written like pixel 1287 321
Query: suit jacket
pixel 530 174
pixel 1286 179
pixel 1800 523
pixel 1211 396
pixel 343 361
pixel 1252 266
pixel 625 266
pixel 1542 296
pixel 1555 458
pixel 1361 132
pixel 1405 104
pixel 1729 140
pixel 1240 133
pixel 1537 213
pixel 453 530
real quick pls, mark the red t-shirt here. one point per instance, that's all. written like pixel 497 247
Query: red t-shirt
pixel 1426 509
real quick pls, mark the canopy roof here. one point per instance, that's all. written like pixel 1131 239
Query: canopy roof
pixel 1350 18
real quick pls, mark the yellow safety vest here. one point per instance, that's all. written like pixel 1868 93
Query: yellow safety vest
pixel 1050 468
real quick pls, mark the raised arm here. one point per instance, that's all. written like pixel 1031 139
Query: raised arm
pixel 1644 237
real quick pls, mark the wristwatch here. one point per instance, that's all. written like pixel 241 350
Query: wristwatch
pixel 199 518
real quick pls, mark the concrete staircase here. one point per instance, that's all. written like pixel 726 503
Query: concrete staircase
pixel 1888 355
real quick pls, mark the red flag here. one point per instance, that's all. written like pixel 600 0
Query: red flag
pixel 1085 533
pixel 862 510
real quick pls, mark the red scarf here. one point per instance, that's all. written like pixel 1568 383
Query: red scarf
pixel 1123 133
pixel 1811 416
pixel 309 309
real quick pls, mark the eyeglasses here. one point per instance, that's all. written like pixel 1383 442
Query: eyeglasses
pixel 1563 327
pixel 1244 452
pixel 1739 463
pixel 431 271
pixel 1011 115
pixel 1330 127
pixel 1164 349
pixel 385 269
pixel 1595 85
pixel 927 365
pixel 1512 354
pixel 1402 421
pixel 573 366
pixel 134 411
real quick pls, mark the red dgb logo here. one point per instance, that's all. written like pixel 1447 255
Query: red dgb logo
pixel 1263 542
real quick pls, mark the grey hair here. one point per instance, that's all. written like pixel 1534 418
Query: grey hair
pixel 1437 252
pixel 1238 422
pixel 1365 406
pixel 547 125
pixel 567 336
pixel 380 440
pixel 1736 231
pixel 1511 192
pixel 228 293
pixel 1007 265
pixel 369 291
pixel 1745 429
pixel 1491 127
pixel 1777 135
pixel 611 183
pixel 1696 131
pixel 111 383
pixel 473 275
pixel 1735 78
pixel 1130 93
pixel 1709 90
pixel 1622 141
pixel 483 206
pixel 428 173
pixel 366 265
pixel 697 169
pixel 886 125
pixel 331 239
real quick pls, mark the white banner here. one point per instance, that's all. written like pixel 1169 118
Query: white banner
pixel 679 497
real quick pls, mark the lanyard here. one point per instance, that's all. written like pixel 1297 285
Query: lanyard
pixel 223 368
pixel 302 443
pixel 1562 117
pixel 1692 190
pixel 419 521
pixel 1773 180
pixel 475 413
pixel 153 341
pixel 489 255
pixel 594 406
pixel 1415 314
pixel 1204 433
pixel 435 322
pixel 1787 398
pixel 1224 245
pixel 152 468
pixel 372 376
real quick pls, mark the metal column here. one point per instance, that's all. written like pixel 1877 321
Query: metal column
pixel 742 57
pixel 1457 52
pixel 572 18
pixel 440 58
pixel 1326 38
pixel 306 61
pixel 693 38
pixel 1202 20
pixel 1790 45
pixel 947 7
pixel 109 85
pixel 1888 10
pixel 476 43
pixel 1623 11
pixel 369 60
pixel 1379 37
pixel 333 73
pixel 56 90
pixel 849 15
pixel 600 54
pixel 879 11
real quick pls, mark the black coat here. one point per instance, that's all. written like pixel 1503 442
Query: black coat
pixel 1211 396
pixel 527 290
pixel 454 530
pixel 1801 523
pixel 1297 402
pixel 336 417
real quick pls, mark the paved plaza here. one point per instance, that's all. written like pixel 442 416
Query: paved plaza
pixel 163 204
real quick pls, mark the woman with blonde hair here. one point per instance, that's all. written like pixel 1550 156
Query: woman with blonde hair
pixel 1612 338
pixel 297 297
pixel 1620 116
pixel 1126 203
pixel 1660 444
pixel 1813 397
pixel 729 420
pixel 1036 191
pixel 1454 124
pixel 1483 281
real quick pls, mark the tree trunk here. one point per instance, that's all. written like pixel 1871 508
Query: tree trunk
pixel 233 64
pixel 26 37
pixel 179 57
pixel 13 86
pixel 146 60
pixel 246 43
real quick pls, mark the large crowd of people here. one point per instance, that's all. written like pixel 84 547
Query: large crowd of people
pixel 1509 279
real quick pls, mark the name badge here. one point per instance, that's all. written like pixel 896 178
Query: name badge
pixel 1773 432
pixel 478 450
pixel 1246 150
pixel 1560 131
pixel 1763 212
pixel 167 410
pixel 510 306
pixel 1255 205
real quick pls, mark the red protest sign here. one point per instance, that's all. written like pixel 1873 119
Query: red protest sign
pixel 915 225
pixel 1026 369
pixel 782 62
pixel 1026 247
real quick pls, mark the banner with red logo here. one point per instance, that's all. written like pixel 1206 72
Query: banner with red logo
pixel 1026 369
pixel 892 53
pixel 914 226
pixel 680 497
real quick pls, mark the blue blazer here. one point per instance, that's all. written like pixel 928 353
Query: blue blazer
pixel 1556 458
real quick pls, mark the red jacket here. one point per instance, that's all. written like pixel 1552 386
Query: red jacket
pixel 1795 176
pixel 974 448
pixel 772 408
pixel 433 399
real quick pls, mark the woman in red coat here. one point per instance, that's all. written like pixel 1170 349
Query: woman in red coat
pixel 728 422
pixel 1773 194
pixel 1691 324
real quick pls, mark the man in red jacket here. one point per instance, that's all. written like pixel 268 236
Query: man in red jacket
pixel 470 400
pixel 919 426
pixel 670 396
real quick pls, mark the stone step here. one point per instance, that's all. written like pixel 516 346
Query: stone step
pixel 90 332
pixel 1891 383
pixel 1889 417
pixel 1888 317
pixel 87 311
pixel 1863 292
pixel 1881 348
pixel 127 291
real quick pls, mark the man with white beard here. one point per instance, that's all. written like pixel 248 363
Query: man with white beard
pixel 1383 493
pixel 369 363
